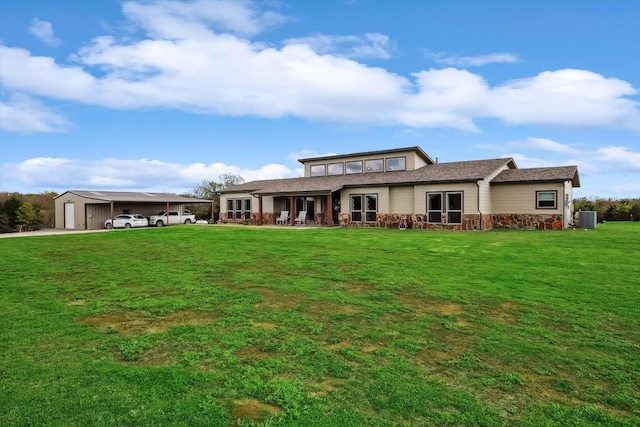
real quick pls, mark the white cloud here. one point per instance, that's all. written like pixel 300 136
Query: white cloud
pixel 608 159
pixel 474 61
pixel 24 115
pixel 576 98
pixel 187 63
pixel 372 45
pixel 142 174
pixel 619 158
pixel 177 19
pixel 44 31
pixel 524 161
pixel 544 144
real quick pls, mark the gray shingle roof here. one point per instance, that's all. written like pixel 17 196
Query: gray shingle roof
pixel 548 174
pixel 128 196
pixel 440 172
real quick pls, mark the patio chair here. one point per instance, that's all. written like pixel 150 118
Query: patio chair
pixel 283 218
pixel 302 218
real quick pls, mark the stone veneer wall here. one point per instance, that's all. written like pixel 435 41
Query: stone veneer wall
pixel 528 221
pixel 469 222
pixel 267 219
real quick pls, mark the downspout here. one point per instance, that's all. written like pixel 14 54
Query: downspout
pixel 478 207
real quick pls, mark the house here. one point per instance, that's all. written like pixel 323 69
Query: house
pixel 88 210
pixel 388 188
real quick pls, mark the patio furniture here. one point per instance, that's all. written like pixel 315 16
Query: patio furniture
pixel 283 218
pixel 302 218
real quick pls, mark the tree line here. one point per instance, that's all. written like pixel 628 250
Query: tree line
pixel 22 212
pixel 610 209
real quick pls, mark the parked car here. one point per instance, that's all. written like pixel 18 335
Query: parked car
pixel 173 217
pixel 127 221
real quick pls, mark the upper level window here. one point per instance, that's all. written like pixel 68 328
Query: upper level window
pixel 396 164
pixel 318 170
pixel 335 168
pixel 373 165
pixel 546 199
pixel 354 167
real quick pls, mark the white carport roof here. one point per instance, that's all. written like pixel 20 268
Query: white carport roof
pixel 127 196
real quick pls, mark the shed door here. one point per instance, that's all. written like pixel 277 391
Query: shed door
pixel 69 215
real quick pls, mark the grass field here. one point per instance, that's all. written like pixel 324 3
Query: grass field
pixel 224 325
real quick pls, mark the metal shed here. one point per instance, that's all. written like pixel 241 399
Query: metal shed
pixel 88 210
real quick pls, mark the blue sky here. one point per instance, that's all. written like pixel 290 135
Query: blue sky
pixel 159 96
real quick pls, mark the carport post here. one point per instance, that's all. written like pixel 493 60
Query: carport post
pixel 167 212
pixel 112 214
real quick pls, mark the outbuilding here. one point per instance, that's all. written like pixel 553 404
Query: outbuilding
pixel 88 210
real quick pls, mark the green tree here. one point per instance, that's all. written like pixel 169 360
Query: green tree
pixel 229 180
pixel 209 190
pixel 9 210
pixel 24 215
pixel 584 204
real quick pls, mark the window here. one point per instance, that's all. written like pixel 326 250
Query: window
pixel 546 199
pixel 246 208
pixel 318 170
pixel 371 207
pixel 335 168
pixel 396 164
pixel 239 209
pixel 434 207
pixel 364 207
pixel 454 208
pixel 354 167
pixel 356 208
pixel 373 165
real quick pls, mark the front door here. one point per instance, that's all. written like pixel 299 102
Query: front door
pixel 311 209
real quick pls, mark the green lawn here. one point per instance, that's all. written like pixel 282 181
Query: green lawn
pixel 225 325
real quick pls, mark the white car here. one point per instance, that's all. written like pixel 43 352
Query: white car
pixel 127 221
